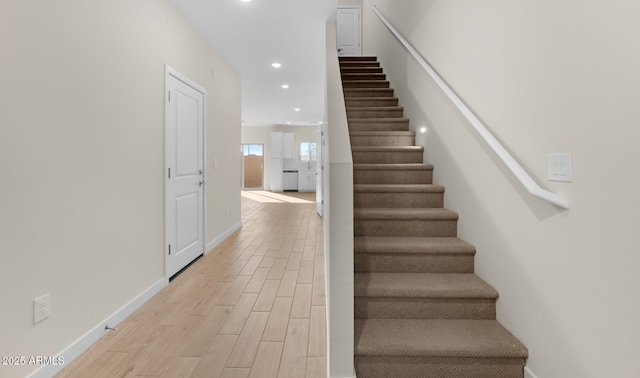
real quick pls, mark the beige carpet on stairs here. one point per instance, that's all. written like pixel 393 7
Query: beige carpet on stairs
pixel 420 311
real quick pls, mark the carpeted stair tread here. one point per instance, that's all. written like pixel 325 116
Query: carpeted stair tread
pixel 375 101
pixel 392 244
pixel 422 285
pixel 405 173
pixel 386 148
pixel 363 76
pixel 368 92
pixel 400 167
pixel 436 337
pixel 390 188
pixel 380 120
pixel 357 58
pixel 364 69
pixel 382 133
pixel 372 108
pixel 365 83
pixel 404 213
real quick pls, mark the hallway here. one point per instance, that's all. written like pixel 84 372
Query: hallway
pixel 253 307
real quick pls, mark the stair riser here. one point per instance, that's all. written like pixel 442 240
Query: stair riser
pixel 395 157
pixel 379 92
pixel 363 101
pixel 390 200
pixel 405 227
pixel 349 70
pixel 363 76
pixel 362 140
pixel 437 367
pixel 375 113
pixel 413 263
pixel 366 84
pixel 355 125
pixel 369 176
pixel 424 308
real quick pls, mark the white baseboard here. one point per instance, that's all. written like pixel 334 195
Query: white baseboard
pixel 215 242
pixel 528 373
pixel 71 352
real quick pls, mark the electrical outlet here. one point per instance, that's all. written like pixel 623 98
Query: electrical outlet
pixel 226 211
pixel 41 308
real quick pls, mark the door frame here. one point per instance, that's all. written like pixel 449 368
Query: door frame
pixel 171 72
pixel 359 8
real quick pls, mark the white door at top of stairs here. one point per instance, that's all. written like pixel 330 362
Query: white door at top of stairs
pixel 184 172
pixel 348 31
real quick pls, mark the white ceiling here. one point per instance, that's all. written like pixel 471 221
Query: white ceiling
pixel 252 35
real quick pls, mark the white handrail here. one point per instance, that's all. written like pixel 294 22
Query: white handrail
pixel 525 179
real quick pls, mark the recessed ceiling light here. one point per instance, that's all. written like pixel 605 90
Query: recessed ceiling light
pixel 297 109
pixel 276 65
pixel 285 86
pixel 245 1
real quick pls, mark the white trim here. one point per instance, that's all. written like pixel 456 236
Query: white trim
pixel 171 71
pixel 215 242
pixel 525 179
pixel 528 373
pixel 83 343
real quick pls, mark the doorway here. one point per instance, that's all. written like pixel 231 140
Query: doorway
pixel 348 31
pixel 252 166
pixel 184 171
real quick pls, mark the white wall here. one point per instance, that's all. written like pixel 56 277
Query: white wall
pixel 262 135
pixel 546 77
pixel 338 220
pixel 349 2
pixel 82 152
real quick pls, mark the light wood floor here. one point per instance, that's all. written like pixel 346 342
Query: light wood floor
pixel 252 307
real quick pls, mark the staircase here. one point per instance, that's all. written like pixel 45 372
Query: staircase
pixel 420 311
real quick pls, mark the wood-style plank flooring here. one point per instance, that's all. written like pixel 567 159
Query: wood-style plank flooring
pixel 252 307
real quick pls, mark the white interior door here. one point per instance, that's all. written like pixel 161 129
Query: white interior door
pixel 184 176
pixel 348 33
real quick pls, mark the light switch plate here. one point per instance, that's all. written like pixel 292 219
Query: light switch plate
pixel 560 167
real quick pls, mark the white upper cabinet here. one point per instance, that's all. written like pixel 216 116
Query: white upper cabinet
pixel 276 145
pixel 283 145
pixel 289 146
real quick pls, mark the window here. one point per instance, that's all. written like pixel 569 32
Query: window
pixel 252 149
pixel 307 151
